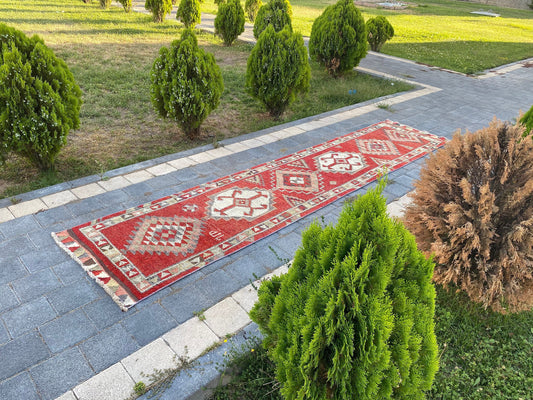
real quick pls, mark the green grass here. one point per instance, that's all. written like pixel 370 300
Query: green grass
pixel 110 54
pixel 483 355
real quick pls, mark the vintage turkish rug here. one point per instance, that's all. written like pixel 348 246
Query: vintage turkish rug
pixel 134 253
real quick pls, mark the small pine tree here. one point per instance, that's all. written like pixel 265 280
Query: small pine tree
pixel 278 69
pixel 527 121
pixel 277 13
pixel 473 209
pixel 159 8
pixel 189 13
pixel 379 31
pixel 105 4
pixel 39 99
pixel 186 83
pixel 252 8
pixel 353 317
pixel 126 4
pixel 229 22
pixel 338 38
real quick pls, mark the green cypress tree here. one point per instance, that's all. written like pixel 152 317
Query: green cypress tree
pixel 186 83
pixel 229 22
pixel 105 4
pixel 379 31
pixel 339 38
pixel 353 317
pixel 278 69
pixel 277 13
pixel 189 13
pixel 252 8
pixel 527 121
pixel 126 4
pixel 159 8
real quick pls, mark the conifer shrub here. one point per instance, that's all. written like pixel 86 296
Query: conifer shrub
pixel 278 69
pixel 338 38
pixel 473 209
pixel 159 8
pixel 126 4
pixel 39 99
pixel 527 121
pixel 188 13
pixel 186 83
pixel 277 13
pixel 229 22
pixel 252 8
pixel 105 4
pixel 379 31
pixel 353 317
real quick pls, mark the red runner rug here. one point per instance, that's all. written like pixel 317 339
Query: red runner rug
pixel 136 252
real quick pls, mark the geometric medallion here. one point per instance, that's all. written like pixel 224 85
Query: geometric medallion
pixel 377 147
pixel 401 135
pixel 341 162
pixel 164 235
pixel 297 180
pixel 239 203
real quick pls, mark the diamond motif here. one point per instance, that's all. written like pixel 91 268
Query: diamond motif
pixel 401 135
pixel 341 162
pixel 240 203
pixel 164 235
pixel 297 180
pixel 377 147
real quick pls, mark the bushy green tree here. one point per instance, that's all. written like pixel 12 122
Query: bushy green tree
pixel 277 13
pixel 252 8
pixel 527 121
pixel 39 99
pixel 126 4
pixel 189 13
pixel 379 31
pixel 186 83
pixel 278 69
pixel 159 8
pixel 229 22
pixel 338 37
pixel 105 4
pixel 353 317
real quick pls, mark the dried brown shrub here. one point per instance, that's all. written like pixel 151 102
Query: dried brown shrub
pixel 473 209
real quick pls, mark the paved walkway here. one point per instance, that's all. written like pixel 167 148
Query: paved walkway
pixel 61 335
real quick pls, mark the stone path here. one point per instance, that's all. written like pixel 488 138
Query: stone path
pixel 61 335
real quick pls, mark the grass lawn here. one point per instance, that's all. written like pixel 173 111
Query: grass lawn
pixel 440 32
pixel 110 54
pixel 483 355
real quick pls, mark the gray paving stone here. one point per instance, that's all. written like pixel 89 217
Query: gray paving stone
pixel 149 323
pixel 44 259
pixel 69 271
pixel 67 330
pixel 218 284
pixel 43 239
pixel 28 316
pixel 108 347
pixel 289 242
pixel 104 312
pixel 21 353
pixel 53 216
pixel 19 387
pixel 4 336
pixel 171 179
pixel 36 284
pixel 74 295
pixel 11 269
pixel 16 247
pixel 245 270
pixel 19 226
pixel 139 190
pixel 89 204
pixel 60 373
pixel 184 303
pixel 7 298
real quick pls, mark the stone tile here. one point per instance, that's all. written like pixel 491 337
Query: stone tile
pixel 118 182
pixel 246 297
pixel 36 284
pixel 161 169
pixel 11 269
pixel 19 226
pixel 85 191
pixel 112 384
pixel 69 271
pixel 184 303
pixel 219 152
pixel 54 216
pixel 67 330
pixel 5 215
pixel 245 270
pixel 236 147
pixel 28 316
pixel 60 373
pixel 27 208
pixel 7 298
pixel 201 157
pixel 108 347
pixel 289 242
pixel 149 323
pixel 74 295
pixel 39 260
pixel 22 353
pixel 138 191
pixel 226 317
pixel 67 396
pixel 89 204
pixel 181 163
pixel 190 339
pixel 145 361
pixel 59 199
pixel 19 387
pixel 4 336
pixel 16 247
pixel 218 284
pixel 104 312
pixel 138 176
